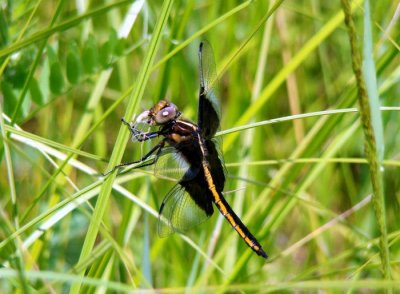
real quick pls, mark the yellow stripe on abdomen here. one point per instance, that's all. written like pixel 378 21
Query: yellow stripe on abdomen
pixel 222 208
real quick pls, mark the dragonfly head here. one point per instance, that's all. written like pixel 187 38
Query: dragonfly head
pixel 161 113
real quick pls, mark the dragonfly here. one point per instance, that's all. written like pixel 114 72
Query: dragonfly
pixel 191 200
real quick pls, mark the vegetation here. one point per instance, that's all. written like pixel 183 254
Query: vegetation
pixel 315 179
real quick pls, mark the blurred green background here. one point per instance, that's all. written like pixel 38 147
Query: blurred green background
pixel 299 179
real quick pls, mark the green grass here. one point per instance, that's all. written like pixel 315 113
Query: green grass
pixel 294 142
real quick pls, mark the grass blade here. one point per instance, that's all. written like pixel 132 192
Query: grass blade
pixel 371 143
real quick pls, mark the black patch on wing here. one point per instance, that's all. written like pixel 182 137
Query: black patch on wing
pixel 179 212
pixel 209 109
pixel 193 181
pixel 216 165
pixel 198 190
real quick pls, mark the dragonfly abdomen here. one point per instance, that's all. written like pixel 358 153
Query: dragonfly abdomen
pixel 239 227
pixel 230 215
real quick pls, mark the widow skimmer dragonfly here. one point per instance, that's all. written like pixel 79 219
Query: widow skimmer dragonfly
pixel 190 201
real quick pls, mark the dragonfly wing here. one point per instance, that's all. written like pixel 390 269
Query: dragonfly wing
pixel 179 212
pixel 209 108
pixel 170 165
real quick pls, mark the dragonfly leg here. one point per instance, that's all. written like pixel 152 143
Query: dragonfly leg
pixel 138 135
pixel 157 148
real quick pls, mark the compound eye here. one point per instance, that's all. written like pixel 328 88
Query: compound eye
pixel 166 114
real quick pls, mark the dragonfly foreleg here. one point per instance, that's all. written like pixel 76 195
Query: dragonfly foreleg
pixel 137 134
